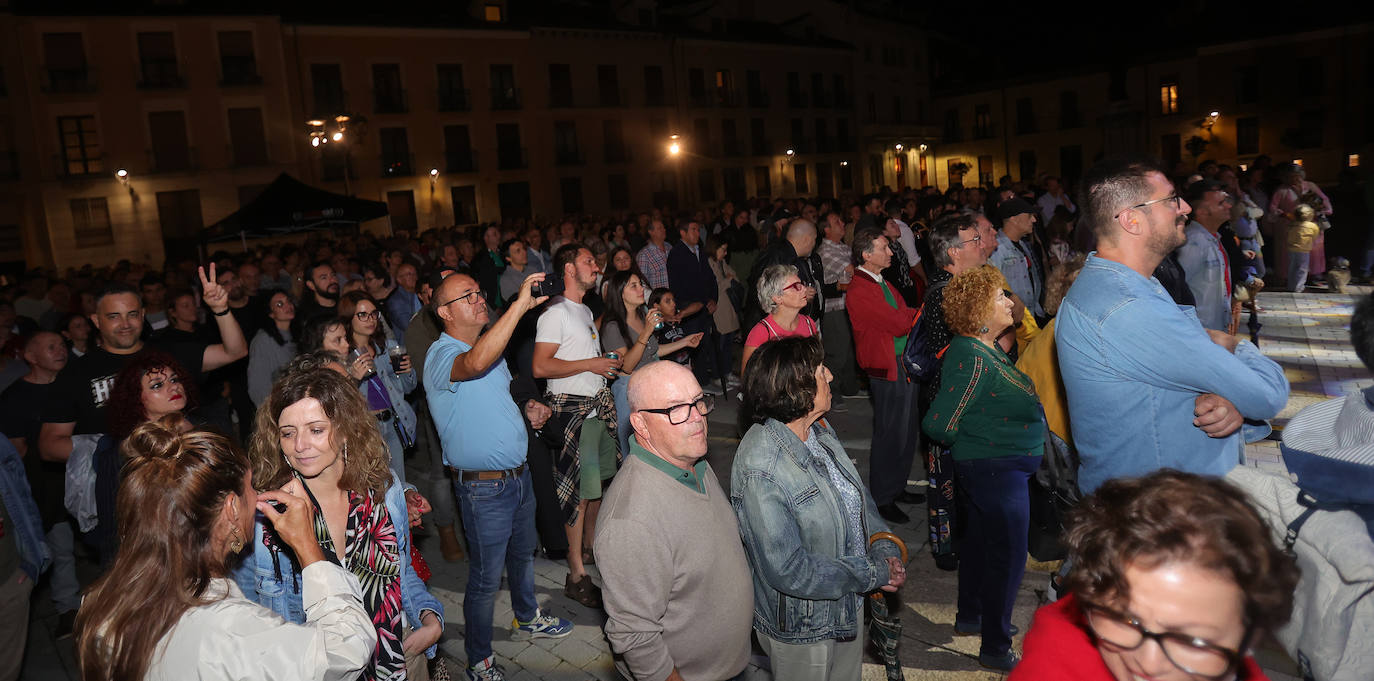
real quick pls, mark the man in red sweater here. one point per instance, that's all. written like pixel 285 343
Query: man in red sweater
pixel 881 321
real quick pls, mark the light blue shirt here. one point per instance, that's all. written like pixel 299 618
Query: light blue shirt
pixel 1013 260
pixel 1205 268
pixel 1133 362
pixel 479 424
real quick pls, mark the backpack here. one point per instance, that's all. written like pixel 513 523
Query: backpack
pixel 919 358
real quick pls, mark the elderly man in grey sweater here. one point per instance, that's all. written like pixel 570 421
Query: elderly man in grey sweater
pixel 677 587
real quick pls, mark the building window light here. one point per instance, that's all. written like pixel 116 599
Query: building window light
pixel 493 13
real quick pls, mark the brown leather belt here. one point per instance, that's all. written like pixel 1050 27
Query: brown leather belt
pixel 469 476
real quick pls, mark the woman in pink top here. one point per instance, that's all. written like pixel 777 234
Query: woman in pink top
pixel 782 294
pixel 1283 206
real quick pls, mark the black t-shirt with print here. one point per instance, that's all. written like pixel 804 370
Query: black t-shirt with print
pixel 82 388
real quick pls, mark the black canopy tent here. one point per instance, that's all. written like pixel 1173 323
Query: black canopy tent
pixel 288 206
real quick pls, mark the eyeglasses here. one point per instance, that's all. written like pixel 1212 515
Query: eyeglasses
pixel 798 285
pixel 974 240
pixel 364 316
pixel 1189 653
pixel 679 413
pixel 478 297
pixel 1175 199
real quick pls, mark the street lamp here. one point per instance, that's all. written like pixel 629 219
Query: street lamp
pixel 321 135
pixel 922 148
pixel 791 153
pixel 674 145
pixel 898 147
pixel 433 176
pixel 123 176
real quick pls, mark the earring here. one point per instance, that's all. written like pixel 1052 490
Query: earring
pixel 983 330
pixel 345 452
pixel 236 541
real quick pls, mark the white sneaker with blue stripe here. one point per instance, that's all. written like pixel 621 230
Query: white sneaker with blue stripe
pixel 542 626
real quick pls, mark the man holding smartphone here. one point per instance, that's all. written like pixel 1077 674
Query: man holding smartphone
pixel 485 443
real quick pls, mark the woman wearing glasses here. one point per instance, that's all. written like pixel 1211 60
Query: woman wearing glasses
pixel 385 387
pixel 805 518
pixel 1174 578
pixel 782 295
pixel 272 346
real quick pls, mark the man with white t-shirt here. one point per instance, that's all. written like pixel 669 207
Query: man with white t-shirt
pixel 567 352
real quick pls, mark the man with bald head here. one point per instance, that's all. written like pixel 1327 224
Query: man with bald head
pixel 484 442
pixel 796 248
pixel 677 588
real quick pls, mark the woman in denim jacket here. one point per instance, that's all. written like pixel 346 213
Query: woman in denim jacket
pixel 805 518
pixel 386 387
pixel 334 433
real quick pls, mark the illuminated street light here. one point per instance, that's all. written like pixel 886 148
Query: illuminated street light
pixel 923 148
pixel 791 153
pixel 844 163
pixel 433 175
pixel 337 137
pixel 123 175
pixel 314 141
pixel 674 146
pixel 899 146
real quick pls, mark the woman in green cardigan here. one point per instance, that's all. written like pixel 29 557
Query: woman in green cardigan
pixel 986 410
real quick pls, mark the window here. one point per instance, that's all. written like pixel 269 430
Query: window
pixel 1312 74
pixel 1247 135
pixel 799 178
pixel 763 186
pixel 896 108
pixel 1168 96
pixel 560 85
pixel 608 84
pixel 653 86
pixel 327 84
pixel 725 88
pixel 758 137
pixel 64 56
pixel 464 204
pixel 387 94
pixel 733 178
pixel 396 161
pixel 157 61
pixel 81 152
pixel 795 98
pixel 1025 116
pixel 513 199
pixel 452 95
pixel 1071 163
pixel 841 92
pixel 247 137
pixel 618 191
pixel 842 138
pixel 1311 128
pixel 955 168
pixel 798 141
pixel 1171 150
pixel 985 170
pixel 1247 84
pixel 818 98
pixel 565 149
pixel 729 138
pixel 952 132
pixel 701 136
pixel 91 222
pixel 458 155
pixel 872 108
pixel 846 176
pixel 613 141
pixel 982 121
pixel 504 95
pixel 509 154
pixel 825 180
pixel 875 170
pixel 171 151
pixel 571 190
pixel 493 14
pixel 822 137
pixel 1352 161
pixel 646 17
pixel 696 87
pixel 706 184
pixel 1026 161
pixel 400 208
pixel 1069 116
pixel 237 63
pixel 753 83
pixel 179 214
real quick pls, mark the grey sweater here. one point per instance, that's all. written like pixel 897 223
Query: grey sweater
pixel 677 587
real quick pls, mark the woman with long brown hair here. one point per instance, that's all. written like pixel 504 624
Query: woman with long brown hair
pixel 167 608
pixel 315 428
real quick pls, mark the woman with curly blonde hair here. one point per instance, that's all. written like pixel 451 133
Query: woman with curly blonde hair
pixel 987 411
pixel 315 427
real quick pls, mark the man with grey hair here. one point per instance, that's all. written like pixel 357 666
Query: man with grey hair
pixel 1124 343
pixel 677 588
pixel 796 248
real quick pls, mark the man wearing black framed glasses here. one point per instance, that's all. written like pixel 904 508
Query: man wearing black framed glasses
pixel 678 591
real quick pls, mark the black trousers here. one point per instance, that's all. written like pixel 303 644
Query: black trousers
pixel 896 435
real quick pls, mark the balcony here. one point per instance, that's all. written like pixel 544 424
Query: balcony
pixel 727 98
pixel 9 166
pixel 454 99
pixel 239 70
pixel 617 153
pixel 460 161
pixel 511 158
pixel 71 80
pixel 613 97
pixel 568 157
pixel 180 160
pixel 390 101
pixel 758 99
pixel 160 74
pixel 820 100
pixel 505 99
pixel 79 168
pixel 796 100
pixel 701 100
pixel 561 98
pixel 330 103
pixel 398 165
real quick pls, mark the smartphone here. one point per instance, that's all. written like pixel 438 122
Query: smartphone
pixel 548 287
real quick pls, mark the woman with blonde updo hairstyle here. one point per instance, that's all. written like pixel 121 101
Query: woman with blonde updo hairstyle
pixel 167 608
pixel 988 413
pixel 315 430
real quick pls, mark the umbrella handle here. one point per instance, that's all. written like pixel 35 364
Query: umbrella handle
pixel 901 545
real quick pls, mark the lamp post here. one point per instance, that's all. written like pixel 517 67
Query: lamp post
pixel 321 136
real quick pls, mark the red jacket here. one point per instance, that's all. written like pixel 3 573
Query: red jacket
pixel 876 325
pixel 1059 646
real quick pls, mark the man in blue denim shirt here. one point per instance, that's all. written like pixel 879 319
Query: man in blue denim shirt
pixel 484 442
pixel 1015 259
pixel 1148 386
pixel 23 555
pixel 1202 256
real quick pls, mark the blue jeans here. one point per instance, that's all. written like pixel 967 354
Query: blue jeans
pixel 992 559
pixel 498 517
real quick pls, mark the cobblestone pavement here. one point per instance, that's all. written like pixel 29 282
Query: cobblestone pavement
pixel 1307 333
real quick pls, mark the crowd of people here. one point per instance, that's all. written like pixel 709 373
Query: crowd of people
pixel 218 436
